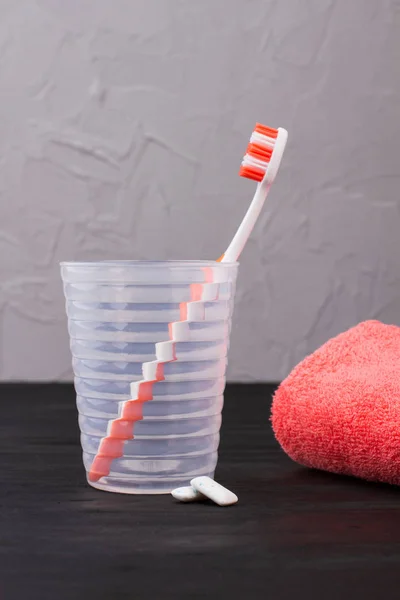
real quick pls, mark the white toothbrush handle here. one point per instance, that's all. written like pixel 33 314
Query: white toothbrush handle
pixel 246 226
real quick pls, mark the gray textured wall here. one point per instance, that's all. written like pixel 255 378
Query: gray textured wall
pixel 122 125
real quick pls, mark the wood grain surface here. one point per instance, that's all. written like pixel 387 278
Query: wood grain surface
pixel 295 533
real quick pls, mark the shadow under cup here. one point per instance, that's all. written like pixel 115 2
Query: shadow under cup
pixel 127 319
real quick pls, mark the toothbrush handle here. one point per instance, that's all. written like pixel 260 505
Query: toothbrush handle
pixel 246 226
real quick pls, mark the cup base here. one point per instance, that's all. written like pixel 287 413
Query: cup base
pixel 108 484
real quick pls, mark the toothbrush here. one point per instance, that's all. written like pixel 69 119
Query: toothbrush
pixel 260 163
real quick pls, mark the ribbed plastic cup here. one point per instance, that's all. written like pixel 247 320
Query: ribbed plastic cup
pixel 118 313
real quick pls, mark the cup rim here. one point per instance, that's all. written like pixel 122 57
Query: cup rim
pixel 146 264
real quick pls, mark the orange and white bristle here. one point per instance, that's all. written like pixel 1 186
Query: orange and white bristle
pixel 264 153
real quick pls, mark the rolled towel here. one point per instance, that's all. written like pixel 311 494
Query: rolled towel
pixel 339 409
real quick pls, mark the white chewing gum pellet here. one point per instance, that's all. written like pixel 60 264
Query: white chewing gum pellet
pixel 214 491
pixel 187 494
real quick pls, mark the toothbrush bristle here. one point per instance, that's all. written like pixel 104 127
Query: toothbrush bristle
pixel 252 173
pixel 259 151
pixel 269 131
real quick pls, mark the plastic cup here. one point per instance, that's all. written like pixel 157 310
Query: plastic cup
pixel 118 313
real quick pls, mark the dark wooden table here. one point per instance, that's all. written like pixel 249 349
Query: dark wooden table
pixel 294 534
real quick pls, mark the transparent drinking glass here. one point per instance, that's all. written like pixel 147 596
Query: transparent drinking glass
pixel 119 315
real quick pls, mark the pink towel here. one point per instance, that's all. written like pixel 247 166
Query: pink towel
pixel 339 409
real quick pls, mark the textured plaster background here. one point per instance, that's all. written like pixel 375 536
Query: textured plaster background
pixel 122 126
